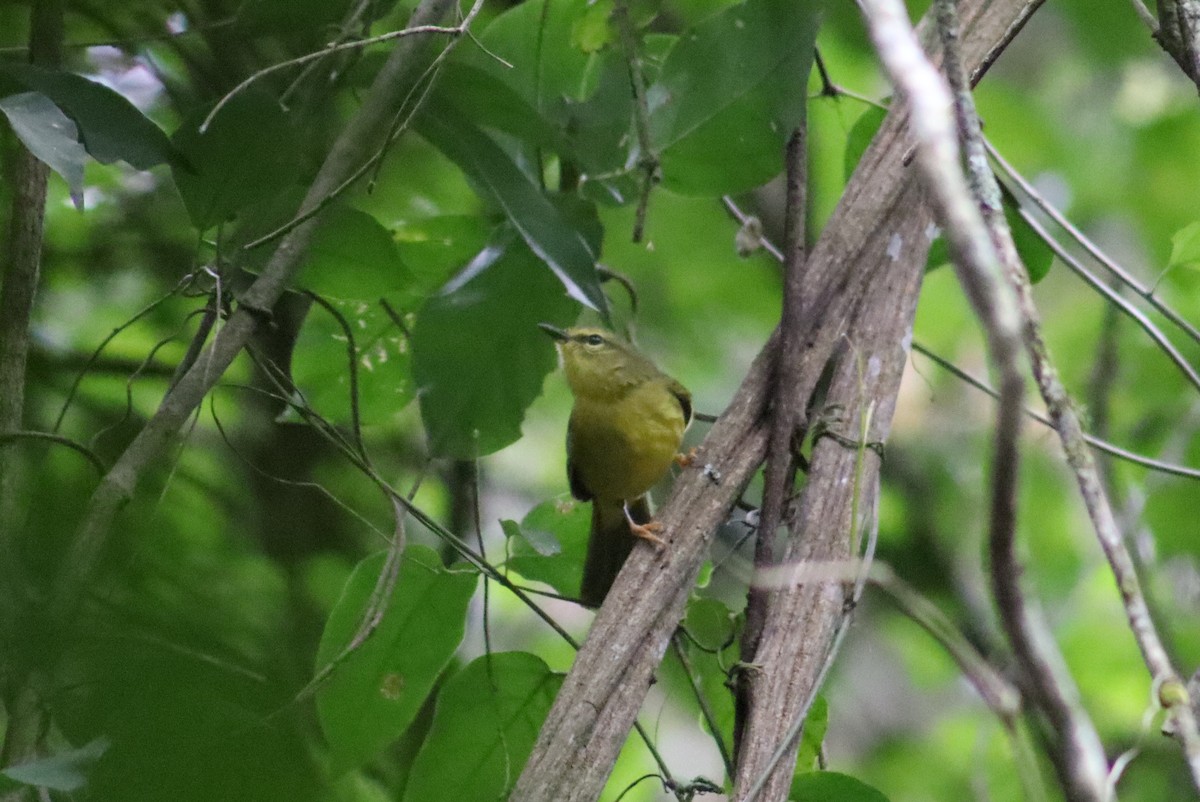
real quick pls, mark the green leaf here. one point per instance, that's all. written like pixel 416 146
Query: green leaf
pixel 548 67
pixel 110 127
pixel 710 623
pixel 376 691
pixel 247 155
pixel 435 247
pixel 1033 250
pixel 50 136
pixel 830 786
pixel 320 362
pixel 479 359
pixel 811 739
pixel 731 92
pixel 1185 247
pixel 549 234
pixel 484 727
pixel 593 29
pixel 490 101
pixel 861 134
pixel 66 771
pixel 565 523
pixel 353 256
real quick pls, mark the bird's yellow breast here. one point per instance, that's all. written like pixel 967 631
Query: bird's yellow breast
pixel 621 446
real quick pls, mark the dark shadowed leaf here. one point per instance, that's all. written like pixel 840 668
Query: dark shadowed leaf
pixel 484 727
pixel 730 93
pixel 50 136
pixel 375 692
pixel 860 137
pixel 110 127
pixel 1032 249
pixel 247 155
pixel 479 359
pixel 549 234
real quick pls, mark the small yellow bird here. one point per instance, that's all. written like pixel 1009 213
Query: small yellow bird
pixel 625 430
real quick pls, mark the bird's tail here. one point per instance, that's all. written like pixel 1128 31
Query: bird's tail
pixel 608 545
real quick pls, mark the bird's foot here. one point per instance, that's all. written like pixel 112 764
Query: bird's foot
pixel 647 531
pixel 686 460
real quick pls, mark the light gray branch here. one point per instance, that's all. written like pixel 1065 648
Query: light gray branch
pixel 1078 751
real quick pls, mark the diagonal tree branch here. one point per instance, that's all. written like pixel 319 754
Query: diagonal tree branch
pixel 598 703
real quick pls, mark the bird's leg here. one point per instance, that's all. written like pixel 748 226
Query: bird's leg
pixel 686 460
pixel 648 531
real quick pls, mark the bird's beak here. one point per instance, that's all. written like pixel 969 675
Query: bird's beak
pixel 554 332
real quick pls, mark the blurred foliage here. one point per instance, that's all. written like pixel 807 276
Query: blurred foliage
pixel 408 350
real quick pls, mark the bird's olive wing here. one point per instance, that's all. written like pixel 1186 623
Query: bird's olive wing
pixel 578 488
pixel 684 398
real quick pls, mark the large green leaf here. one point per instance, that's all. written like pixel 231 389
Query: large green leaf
pixel 492 102
pixel 484 727
pixel 479 359
pixel 50 136
pixel 435 247
pixel 536 39
pixel 353 256
pixel 247 155
pixel 376 691
pixel 110 127
pixel 548 232
pixel 830 786
pixel 550 543
pixel 320 365
pixel 730 94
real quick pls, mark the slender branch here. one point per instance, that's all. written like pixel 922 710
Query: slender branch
pixel 1093 441
pixel 706 710
pixel 1079 756
pixel 1179 34
pixel 87 453
pixel 1093 250
pixel 647 159
pixel 787 413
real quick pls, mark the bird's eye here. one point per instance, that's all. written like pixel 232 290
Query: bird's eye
pixel 595 339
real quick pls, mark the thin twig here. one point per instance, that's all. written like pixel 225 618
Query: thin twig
pixel 1093 250
pixel 1093 441
pixel 647 158
pixel 705 708
pixel 88 454
pixel 351 369
pixel 455 30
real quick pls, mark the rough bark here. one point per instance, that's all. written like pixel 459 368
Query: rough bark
pixel 599 701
